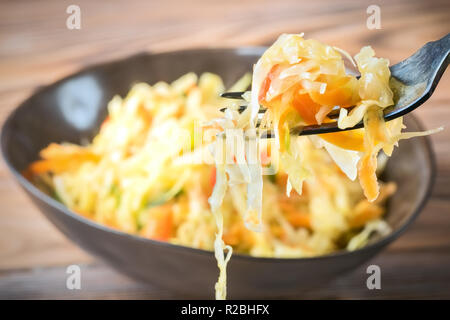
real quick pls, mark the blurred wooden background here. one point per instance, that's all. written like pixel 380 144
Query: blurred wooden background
pixel 36 49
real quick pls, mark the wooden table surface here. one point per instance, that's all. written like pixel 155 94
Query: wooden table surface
pixel 36 49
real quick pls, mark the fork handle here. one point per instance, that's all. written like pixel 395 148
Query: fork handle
pixel 427 64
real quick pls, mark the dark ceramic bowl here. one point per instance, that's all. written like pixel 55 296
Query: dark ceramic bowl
pixel 72 110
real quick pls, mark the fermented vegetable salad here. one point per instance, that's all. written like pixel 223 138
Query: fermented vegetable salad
pixel 154 169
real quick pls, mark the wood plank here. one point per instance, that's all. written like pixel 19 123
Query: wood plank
pixel 404 274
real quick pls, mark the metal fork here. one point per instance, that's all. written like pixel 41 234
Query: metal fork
pixel 412 81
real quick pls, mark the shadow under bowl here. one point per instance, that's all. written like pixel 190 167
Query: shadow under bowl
pixel 72 110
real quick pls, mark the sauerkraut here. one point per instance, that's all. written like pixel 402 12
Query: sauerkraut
pixel 299 82
pixel 162 165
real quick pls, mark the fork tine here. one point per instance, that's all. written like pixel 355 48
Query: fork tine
pixel 232 95
pixel 242 109
pixel 332 115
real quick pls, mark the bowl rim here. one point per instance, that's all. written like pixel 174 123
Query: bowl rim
pixel 241 50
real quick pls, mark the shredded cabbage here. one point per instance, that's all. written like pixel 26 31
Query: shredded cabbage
pixel 300 82
pixel 152 171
